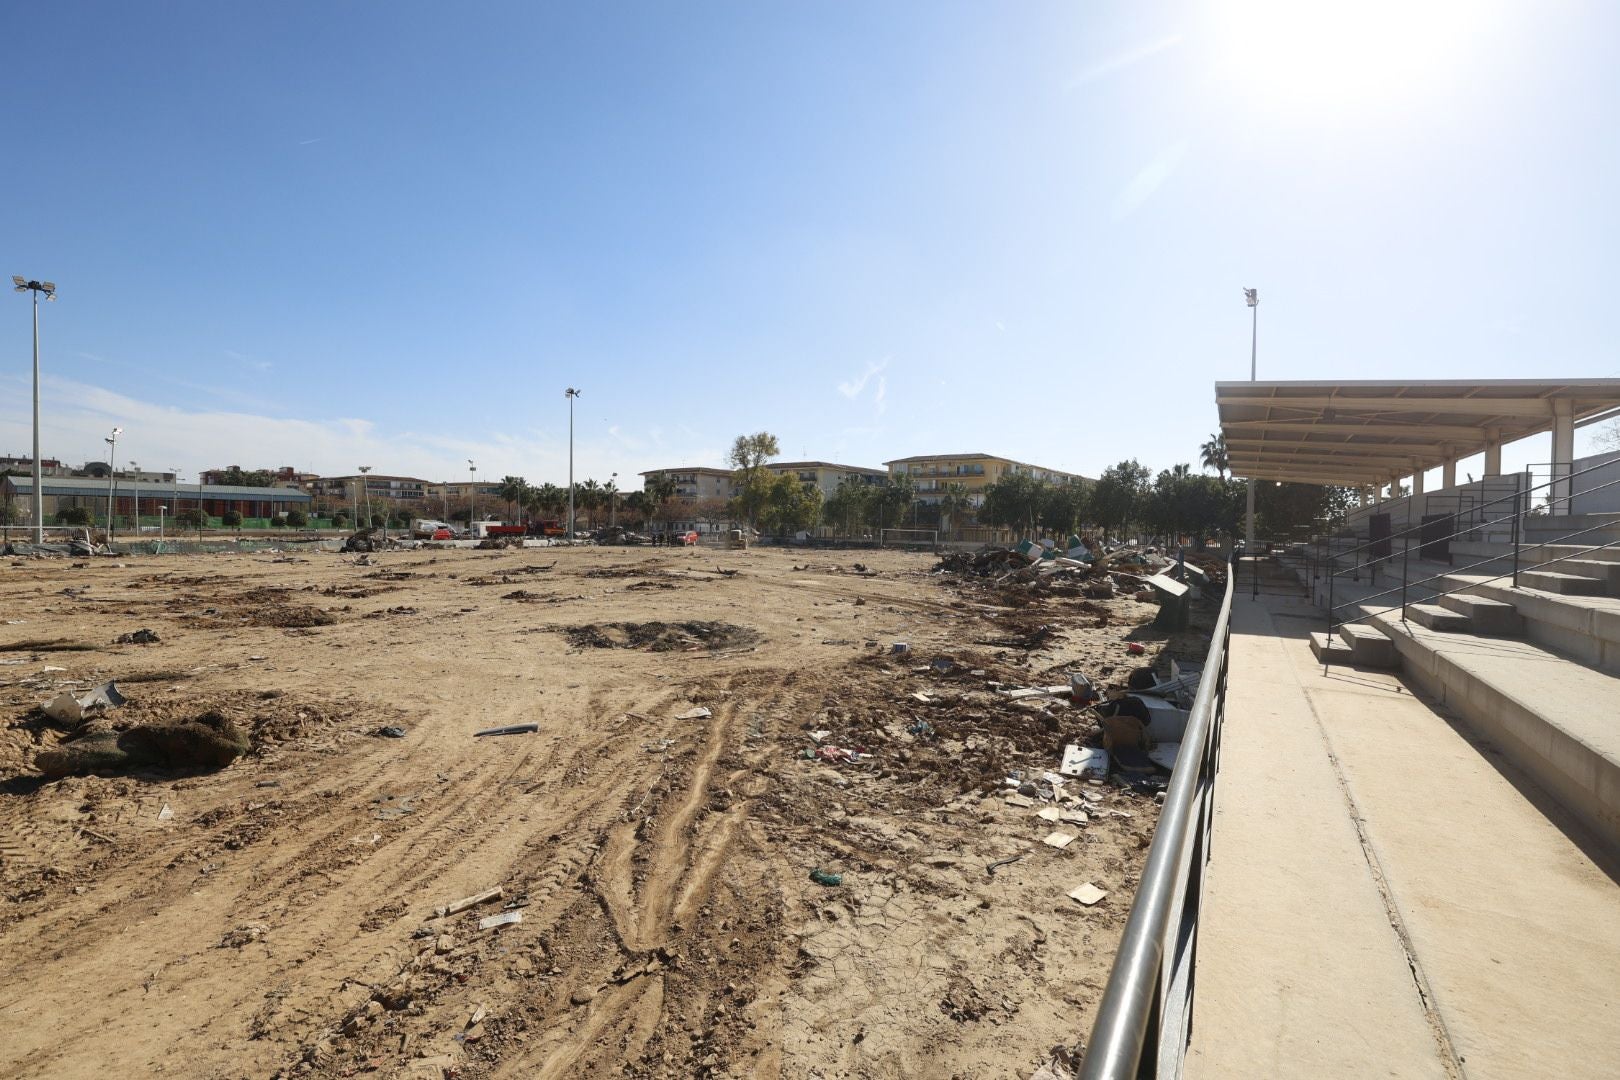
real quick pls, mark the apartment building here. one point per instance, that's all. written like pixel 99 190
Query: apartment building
pixel 931 473
pixel 827 475
pixel 375 485
pixel 695 484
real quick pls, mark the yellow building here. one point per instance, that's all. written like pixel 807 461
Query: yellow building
pixel 930 473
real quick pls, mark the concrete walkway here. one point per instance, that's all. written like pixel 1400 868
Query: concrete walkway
pixel 1387 897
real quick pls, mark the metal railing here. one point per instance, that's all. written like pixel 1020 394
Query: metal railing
pixel 1523 507
pixel 1144 1019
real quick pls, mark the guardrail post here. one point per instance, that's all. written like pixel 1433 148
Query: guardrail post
pixel 1406 562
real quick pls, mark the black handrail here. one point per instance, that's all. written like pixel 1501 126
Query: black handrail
pixel 1156 950
pixel 1405 534
pixel 1463 570
pixel 1504 498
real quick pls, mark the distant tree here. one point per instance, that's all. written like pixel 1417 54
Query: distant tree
pixel 748 456
pixel 231 519
pixel 376 521
pixel 847 508
pixel 1013 502
pixel 239 477
pixel 296 518
pixel 1212 455
pixel 953 499
pixel 514 492
pixel 711 511
pixel 1118 494
pixel 1281 509
pixel 190 519
pixel 340 520
pixel 790 504
pixel 75 515
pixel 659 490
pixel 633 507
pixel 587 497
pixel 1064 507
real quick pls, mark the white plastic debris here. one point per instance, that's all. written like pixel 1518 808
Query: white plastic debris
pixel 1084 762
pixel 1088 894
pixel 506 918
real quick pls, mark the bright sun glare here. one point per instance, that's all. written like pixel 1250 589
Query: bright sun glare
pixel 1308 54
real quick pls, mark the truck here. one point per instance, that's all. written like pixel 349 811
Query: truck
pixel 425 528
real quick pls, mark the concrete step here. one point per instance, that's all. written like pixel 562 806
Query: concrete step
pixel 1557 582
pixel 1369 646
pixel 1599 569
pixel 1330 650
pixel 1494 617
pixel 1550 716
pixel 1436 617
pixel 1584 627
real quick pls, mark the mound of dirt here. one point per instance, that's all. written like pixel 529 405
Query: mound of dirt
pixel 661 637
pixel 290 615
pixel 210 740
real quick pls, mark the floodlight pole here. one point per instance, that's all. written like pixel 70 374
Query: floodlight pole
pixel 49 289
pixel 1252 297
pixel 613 503
pixel 472 495
pixel 572 394
pixel 112 474
pixel 367 489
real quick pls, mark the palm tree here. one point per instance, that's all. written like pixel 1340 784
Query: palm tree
pixel 1214 456
pixel 589 497
pixel 659 489
pixel 514 492
pixel 952 499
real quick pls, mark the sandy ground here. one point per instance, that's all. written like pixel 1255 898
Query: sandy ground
pixel 277 916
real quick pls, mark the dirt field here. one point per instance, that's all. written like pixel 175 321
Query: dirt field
pixel 277 916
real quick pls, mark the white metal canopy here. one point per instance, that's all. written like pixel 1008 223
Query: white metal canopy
pixel 1363 433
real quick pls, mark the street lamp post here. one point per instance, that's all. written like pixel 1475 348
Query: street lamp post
pixel 136 469
pixel 1252 298
pixel 49 289
pixel 472 496
pixel 613 503
pixel 571 393
pixel 112 473
pixel 161 511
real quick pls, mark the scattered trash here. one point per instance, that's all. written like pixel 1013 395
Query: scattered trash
pixel 991 868
pixel 1122 732
pixel 1081 691
pixel 1084 762
pixel 899 648
pixel 1134 648
pixel 1088 894
pixel 506 918
pixel 70 709
pixel 513 729
pixel 139 637
pixel 1164 755
pixel 699 713
pixel 921 728
pixel 165 814
pixel 1058 840
pixel 1023 802
pixel 469 901
pixel 922 697
pixel 257 659
pixel 836 755
pixel 821 877
pixel 391 731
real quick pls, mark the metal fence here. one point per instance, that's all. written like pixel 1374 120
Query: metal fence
pixel 1145 1017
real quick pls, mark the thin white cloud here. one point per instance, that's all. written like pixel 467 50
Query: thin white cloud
pixel 882 392
pixel 75 417
pixel 1121 61
pixel 308 142
pixel 1149 179
pixel 852 388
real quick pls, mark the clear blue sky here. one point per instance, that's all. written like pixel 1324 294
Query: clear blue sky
pixel 392 233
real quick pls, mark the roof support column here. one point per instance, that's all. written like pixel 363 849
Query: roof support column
pixel 1563 453
pixel 1361 497
pixel 1414 509
pixel 1448 471
pixel 1493 451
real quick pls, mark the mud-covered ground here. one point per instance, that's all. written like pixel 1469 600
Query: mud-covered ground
pixel 278 916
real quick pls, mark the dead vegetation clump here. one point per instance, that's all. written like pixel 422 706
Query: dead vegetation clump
pixel 660 636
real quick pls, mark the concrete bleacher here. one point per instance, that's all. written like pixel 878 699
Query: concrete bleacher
pixel 1391 891
pixel 1534 668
